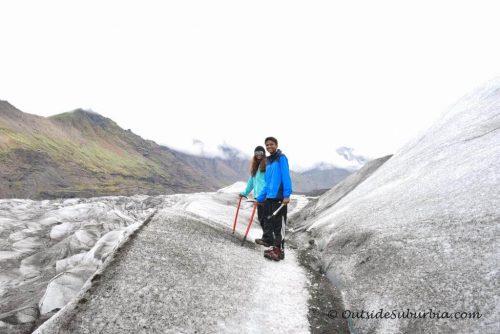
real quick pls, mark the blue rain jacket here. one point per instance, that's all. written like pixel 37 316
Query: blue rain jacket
pixel 278 183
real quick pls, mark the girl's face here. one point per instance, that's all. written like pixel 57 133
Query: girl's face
pixel 271 146
pixel 259 155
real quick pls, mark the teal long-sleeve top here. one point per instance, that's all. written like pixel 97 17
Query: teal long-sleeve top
pixel 255 183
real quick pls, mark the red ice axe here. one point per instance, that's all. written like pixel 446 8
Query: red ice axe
pixel 236 217
pixel 249 223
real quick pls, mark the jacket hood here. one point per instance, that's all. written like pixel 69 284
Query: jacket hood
pixel 275 156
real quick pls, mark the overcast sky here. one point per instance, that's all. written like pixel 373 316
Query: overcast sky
pixel 315 74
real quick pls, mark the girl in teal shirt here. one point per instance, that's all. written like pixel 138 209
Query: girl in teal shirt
pixel 256 182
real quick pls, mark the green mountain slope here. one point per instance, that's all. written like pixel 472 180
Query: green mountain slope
pixel 81 153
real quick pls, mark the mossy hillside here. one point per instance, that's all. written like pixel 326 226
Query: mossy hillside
pixel 83 154
pixel 90 156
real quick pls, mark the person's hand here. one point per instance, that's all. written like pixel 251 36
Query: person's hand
pixel 285 201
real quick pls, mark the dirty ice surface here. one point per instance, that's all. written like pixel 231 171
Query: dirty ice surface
pixel 49 250
pixel 422 231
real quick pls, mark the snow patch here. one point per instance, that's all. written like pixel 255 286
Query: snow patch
pixel 236 188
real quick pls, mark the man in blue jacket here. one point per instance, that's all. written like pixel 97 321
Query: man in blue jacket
pixel 277 191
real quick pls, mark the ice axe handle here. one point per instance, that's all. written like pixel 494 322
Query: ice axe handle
pixel 276 212
pixel 236 216
pixel 249 224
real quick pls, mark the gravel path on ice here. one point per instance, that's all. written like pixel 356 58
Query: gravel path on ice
pixel 178 274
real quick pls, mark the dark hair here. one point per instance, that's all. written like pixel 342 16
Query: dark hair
pixel 255 164
pixel 271 139
pixel 260 149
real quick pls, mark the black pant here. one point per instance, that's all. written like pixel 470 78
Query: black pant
pixel 274 228
pixel 260 215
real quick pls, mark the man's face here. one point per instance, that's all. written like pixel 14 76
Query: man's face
pixel 271 146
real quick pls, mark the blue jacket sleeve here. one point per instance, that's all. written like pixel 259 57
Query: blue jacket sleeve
pixel 285 177
pixel 249 187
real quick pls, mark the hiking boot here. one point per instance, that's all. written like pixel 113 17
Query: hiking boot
pixel 268 250
pixel 262 242
pixel 275 254
pixel 282 255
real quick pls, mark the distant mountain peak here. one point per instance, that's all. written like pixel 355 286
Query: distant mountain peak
pixel 80 112
pixel 344 159
pixel 231 152
pixel 86 111
pixel 348 154
pixel 323 166
pixel 7 107
pixel 79 116
pixel 223 151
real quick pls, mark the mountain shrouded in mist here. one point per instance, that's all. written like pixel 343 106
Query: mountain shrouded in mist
pixel 83 154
